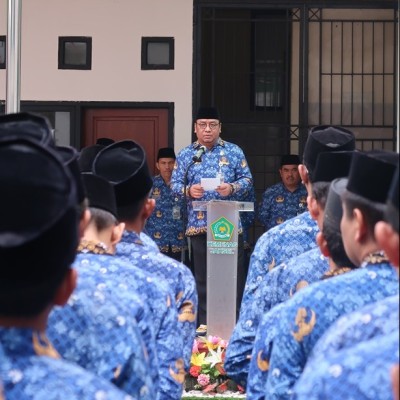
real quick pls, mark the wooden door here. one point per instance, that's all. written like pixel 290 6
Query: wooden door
pixel 148 127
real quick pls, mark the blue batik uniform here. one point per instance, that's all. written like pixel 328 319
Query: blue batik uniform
pixel 305 318
pixel 157 296
pixel 165 225
pixel 279 244
pixel 106 329
pixel 279 285
pixel 30 369
pixel 179 278
pixel 380 318
pixel 279 204
pixel 361 372
pixel 150 244
pixel 225 160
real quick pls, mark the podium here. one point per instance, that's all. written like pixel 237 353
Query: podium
pixel 222 255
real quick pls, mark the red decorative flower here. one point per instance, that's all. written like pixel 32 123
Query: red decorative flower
pixel 195 371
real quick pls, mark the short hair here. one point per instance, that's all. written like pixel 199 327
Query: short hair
pixel 373 212
pixel 102 219
pixel 335 245
pixel 320 192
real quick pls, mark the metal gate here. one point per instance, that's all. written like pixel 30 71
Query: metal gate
pixel 276 69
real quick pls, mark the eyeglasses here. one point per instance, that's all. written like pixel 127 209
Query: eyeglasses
pixel 211 125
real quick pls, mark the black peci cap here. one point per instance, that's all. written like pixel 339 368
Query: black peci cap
pixel 207 113
pixel 100 193
pixel 324 139
pixel 69 156
pixel 332 165
pixel 371 174
pixel 124 165
pixel 290 159
pixel 87 156
pixel 39 225
pixel 166 152
pixel 392 203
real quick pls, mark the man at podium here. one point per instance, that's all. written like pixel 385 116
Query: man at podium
pixel 210 169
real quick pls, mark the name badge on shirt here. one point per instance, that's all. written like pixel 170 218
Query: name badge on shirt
pixel 176 212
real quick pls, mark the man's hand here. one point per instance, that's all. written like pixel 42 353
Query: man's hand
pixel 196 191
pixel 224 189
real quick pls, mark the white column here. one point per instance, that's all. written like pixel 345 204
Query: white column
pixel 13 72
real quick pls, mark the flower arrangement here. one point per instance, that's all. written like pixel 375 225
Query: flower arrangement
pixel 207 372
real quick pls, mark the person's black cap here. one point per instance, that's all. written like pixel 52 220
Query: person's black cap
pixel 323 139
pixel 371 174
pixel 333 208
pixel 39 225
pixel 332 165
pixel 166 152
pixel 290 159
pixel 392 203
pixel 100 193
pixel 207 113
pixel 87 156
pixel 69 156
pixel 28 125
pixel 105 141
pixel 124 165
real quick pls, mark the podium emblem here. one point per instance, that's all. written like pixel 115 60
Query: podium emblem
pixel 222 229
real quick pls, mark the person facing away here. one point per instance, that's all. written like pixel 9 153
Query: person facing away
pixel 285 199
pixel 102 313
pixel 359 355
pixel 165 224
pixel 296 235
pixel 287 278
pixel 303 319
pixel 169 287
pixel 38 239
pixel 210 157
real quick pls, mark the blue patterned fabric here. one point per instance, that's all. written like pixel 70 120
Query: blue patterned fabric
pixel 30 371
pixel 157 297
pixel 224 158
pixel 97 319
pixel 304 319
pixel 149 242
pixel 279 244
pixel 165 225
pixel 380 318
pixel 279 204
pixel 279 285
pixel 179 278
pixel 361 372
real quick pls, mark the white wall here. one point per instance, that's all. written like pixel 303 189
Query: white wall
pixel 116 28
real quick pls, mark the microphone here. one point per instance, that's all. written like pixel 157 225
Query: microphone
pixel 199 154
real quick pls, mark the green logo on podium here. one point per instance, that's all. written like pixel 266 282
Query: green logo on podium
pixel 222 229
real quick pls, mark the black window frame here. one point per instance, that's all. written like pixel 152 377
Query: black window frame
pixel 62 40
pixel 146 41
pixel 3 39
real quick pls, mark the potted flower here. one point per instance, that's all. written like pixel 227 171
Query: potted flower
pixel 207 372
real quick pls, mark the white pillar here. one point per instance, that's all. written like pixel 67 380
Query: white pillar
pixel 13 72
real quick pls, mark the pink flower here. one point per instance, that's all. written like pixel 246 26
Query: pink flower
pixel 203 380
pixel 195 347
pixel 214 339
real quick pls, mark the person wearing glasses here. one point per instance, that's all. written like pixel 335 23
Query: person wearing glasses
pixel 210 157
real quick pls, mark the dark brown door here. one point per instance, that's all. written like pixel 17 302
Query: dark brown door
pixel 148 127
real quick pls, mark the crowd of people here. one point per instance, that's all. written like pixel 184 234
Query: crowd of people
pixel 104 267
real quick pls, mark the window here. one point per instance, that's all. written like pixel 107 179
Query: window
pixel 3 52
pixel 74 52
pixel 157 53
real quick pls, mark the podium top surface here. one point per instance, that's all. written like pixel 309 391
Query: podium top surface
pixel 241 205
